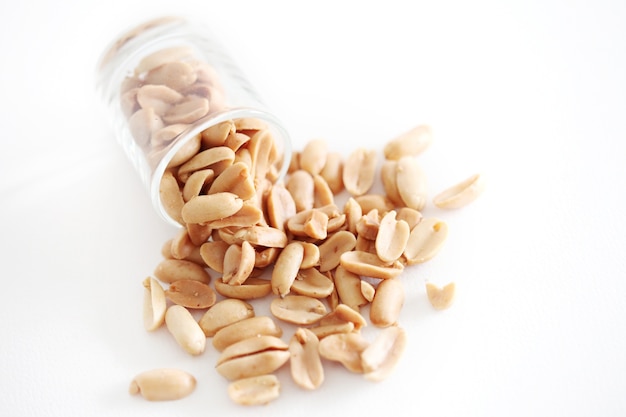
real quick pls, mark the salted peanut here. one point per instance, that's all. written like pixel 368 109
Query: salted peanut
pixel 190 294
pixel 154 304
pixel 353 212
pixel 359 171
pixel 336 223
pixel 218 159
pixel 268 237
pixel 392 237
pixel 171 197
pixel 381 357
pixel 343 313
pixel 165 384
pixel 312 283
pixel 186 152
pixel 333 172
pixel 181 245
pixel 198 233
pixel 185 329
pixel 411 183
pixel 224 313
pixel 367 226
pixel 247 216
pixel 266 257
pixel 369 265
pixel 461 194
pixel 188 110
pixel 321 331
pixel 172 270
pixel 249 123
pixel 367 290
pixel 332 249
pixel 235 179
pixel 411 216
pixel 298 309
pixel 176 75
pixel 238 263
pixel 261 147
pixel 280 206
pixel 348 287
pixel 369 202
pixel 306 364
pixel 387 303
pixel 296 224
pixel 256 390
pixel 313 156
pixel 311 256
pixel 440 298
pixel 388 172
pixel 322 194
pixel 345 348
pixel 142 123
pixel 301 186
pixel 251 288
pixel 425 241
pixel 286 268
pixel 161 57
pixel 316 226
pixel 236 140
pixel 213 253
pixel 411 143
pixel 165 135
pixel 198 183
pixel 206 208
pixel 244 329
pixel 159 97
pixel 216 135
pixel 253 356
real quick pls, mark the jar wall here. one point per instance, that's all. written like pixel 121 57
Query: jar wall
pixel 165 82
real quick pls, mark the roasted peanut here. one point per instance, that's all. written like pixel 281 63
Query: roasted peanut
pixel 243 329
pixel 387 303
pixel 460 194
pixel 171 270
pixel 257 390
pixel 306 364
pixel 382 355
pixel 224 313
pixel 185 329
pixel 252 356
pixel 359 171
pixel 163 384
pixel 440 298
pixel 191 294
pixel 298 309
pixel 154 304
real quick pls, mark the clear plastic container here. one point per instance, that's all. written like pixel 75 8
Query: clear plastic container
pixel 165 82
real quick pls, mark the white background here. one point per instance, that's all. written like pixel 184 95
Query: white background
pixel 531 93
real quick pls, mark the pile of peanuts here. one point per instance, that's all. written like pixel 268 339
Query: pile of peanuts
pixel 253 235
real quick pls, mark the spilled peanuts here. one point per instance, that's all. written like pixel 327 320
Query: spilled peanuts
pixel 248 235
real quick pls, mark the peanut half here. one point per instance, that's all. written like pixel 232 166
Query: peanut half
pixel 163 384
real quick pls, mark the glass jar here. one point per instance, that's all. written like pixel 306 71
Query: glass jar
pixel 165 84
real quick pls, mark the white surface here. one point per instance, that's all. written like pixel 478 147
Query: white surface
pixel 533 94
